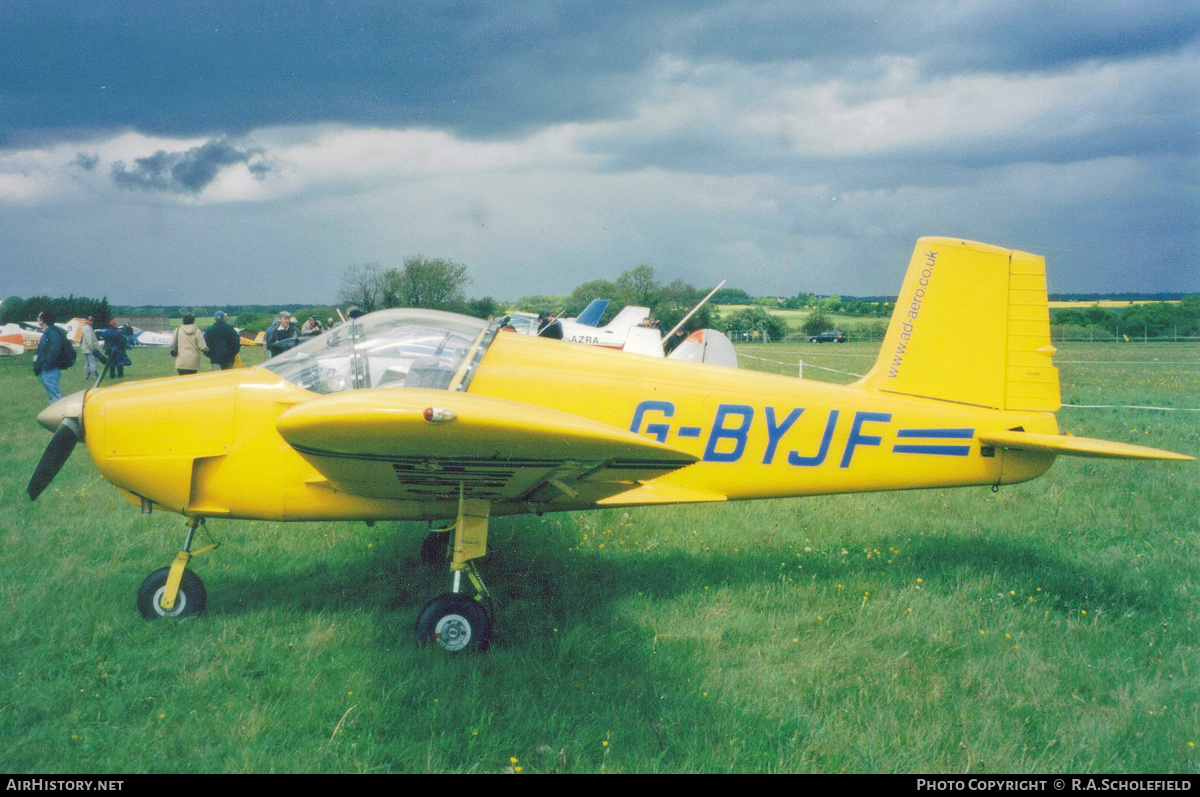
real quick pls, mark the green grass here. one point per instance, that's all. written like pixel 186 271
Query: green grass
pixel 1051 626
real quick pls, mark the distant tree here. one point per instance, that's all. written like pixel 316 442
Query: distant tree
pixel 101 314
pixel 362 285
pixel 817 321
pixel 582 296
pixel 540 303
pixel 676 300
pixel 254 321
pixel 64 309
pixel 831 303
pixel 754 318
pixel 12 310
pixel 637 287
pixel 731 296
pixel 433 283
pixel 1187 315
pixel 486 307
pixel 1150 319
pixel 1094 316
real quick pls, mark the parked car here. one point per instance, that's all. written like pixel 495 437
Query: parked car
pixel 832 336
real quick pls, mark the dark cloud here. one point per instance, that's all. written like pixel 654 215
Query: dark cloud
pixel 227 67
pixel 991 35
pixel 485 69
pixel 86 162
pixel 186 172
pixel 214 70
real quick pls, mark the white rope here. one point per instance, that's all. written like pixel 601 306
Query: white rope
pixel 1072 406
pixel 1129 407
pixel 1128 362
pixel 797 365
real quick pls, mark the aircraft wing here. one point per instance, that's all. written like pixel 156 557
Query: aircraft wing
pixel 1075 446
pixel 417 444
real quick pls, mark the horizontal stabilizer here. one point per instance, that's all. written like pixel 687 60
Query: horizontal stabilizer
pixel 1075 446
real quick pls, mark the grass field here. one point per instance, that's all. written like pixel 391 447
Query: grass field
pixel 1053 626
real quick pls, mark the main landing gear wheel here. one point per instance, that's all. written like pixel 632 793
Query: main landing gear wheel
pixel 435 548
pixel 191 599
pixel 456 623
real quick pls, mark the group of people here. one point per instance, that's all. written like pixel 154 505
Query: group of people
pixel 54 353
pixel 285 333
pixel 220 343
pixel 104 347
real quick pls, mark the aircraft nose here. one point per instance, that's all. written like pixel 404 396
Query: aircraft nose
pixel 66 407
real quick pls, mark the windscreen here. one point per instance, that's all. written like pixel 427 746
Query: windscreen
pixel 390 348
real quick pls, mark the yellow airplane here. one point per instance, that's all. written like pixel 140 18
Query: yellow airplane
pixel 417 414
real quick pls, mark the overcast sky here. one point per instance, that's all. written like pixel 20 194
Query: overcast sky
pixel 226 152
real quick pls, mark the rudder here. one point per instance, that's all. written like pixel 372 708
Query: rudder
pixel 972 326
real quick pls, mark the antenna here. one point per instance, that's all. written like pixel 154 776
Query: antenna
pixel 692 313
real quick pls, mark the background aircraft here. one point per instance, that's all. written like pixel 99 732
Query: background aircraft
pixel 11 345
pixel 630 331
pixel 582 329
pixel 28 334
pixel 410 414
pixel 145 337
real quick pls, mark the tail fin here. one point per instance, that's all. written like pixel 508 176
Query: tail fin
pixel 592 314
pixel 706 346
pixel 972 325
pixel 630 316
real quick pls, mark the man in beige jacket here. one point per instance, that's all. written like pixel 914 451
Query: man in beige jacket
pixel 89 347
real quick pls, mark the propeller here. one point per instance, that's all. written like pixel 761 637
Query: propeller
pixel 65 417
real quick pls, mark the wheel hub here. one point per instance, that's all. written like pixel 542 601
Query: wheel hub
pixel 180 603
pixel 453 632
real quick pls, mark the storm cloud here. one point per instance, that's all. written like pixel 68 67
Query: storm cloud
pixel 800 146
pixel 187 172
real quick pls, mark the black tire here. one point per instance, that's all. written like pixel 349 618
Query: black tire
pixel 192 598
pixel 455 623
pixel 435 548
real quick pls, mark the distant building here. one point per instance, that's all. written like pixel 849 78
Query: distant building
pixel 150 323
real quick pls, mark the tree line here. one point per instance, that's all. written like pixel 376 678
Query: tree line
pixel 16 309
pixel 1152 319
pixel 440 284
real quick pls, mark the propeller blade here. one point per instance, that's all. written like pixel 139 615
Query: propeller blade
pixel 55 456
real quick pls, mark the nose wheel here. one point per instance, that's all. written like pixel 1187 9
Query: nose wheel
pixel 190 598
pixel 175 591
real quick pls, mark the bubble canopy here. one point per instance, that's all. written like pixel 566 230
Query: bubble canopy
pixel 389 348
